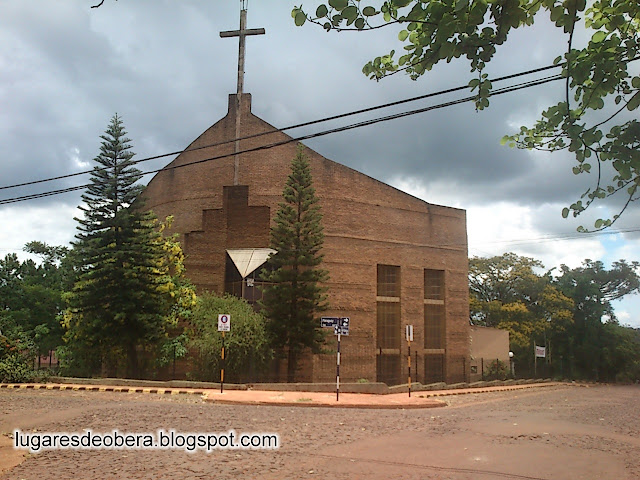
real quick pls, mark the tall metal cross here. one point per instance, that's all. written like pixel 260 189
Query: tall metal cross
pixel 242 33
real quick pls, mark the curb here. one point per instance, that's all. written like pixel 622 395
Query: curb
pixel 365 406
pixel 207 395
pixel 497 388
pixel 90 388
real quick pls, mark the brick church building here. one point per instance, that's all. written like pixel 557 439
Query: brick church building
pixel 393 259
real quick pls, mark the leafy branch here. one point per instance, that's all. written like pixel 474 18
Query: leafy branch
pixel 597 76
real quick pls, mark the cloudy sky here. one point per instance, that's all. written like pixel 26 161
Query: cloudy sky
pixel 65 69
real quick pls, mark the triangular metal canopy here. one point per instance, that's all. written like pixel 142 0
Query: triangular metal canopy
pixel 247 260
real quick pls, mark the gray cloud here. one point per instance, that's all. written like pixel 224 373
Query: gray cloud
pixel 163 67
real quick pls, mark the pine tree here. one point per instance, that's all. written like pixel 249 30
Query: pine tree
pixel 119 300
pixel 296 296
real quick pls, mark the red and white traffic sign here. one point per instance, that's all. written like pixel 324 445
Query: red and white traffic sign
pixel 224 322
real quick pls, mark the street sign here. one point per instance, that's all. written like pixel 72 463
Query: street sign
pixel 224 322
pixel 409 333
pixel 342 327
pixel 329 322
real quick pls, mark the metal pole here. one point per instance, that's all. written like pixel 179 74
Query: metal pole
pixel 409 363
pixel 222 368
pixel 174 361
pixel 338 370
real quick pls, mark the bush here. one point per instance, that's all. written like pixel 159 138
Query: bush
pixel 248 353
pixel 497 370
pixel 15 368
pixel 16 352
pixel 631 374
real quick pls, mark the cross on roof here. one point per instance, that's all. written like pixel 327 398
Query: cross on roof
pixel 242 33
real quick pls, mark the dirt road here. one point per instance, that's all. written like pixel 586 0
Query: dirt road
pixel 552 433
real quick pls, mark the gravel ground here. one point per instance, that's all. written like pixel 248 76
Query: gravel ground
pixel 566 432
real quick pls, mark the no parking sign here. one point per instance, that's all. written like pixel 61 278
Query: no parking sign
pixel 224 322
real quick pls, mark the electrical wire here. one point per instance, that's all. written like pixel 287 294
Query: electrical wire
pixel 361 124
pixel 293 127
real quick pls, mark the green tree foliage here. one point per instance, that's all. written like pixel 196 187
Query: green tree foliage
pixel 124 294
pixel 506 292
pixel 597 72
pixel 295 296
pixel 592 344
pixel 31 293
pixel 569 312
pixel 181 298
pixel 248 351
pixel 17 350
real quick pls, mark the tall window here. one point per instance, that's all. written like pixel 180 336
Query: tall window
pixel 434 326
pixel 388 306
pixel 434 312
pixel 388 324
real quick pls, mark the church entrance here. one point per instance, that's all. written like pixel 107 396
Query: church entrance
pixel 243 273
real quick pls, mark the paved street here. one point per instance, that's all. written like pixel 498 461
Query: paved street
pixel 557 432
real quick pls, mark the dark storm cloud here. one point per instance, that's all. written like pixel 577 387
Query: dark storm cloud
pixel 163 67
pixel 166 71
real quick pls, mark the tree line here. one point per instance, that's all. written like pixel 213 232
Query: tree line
pixel 569 311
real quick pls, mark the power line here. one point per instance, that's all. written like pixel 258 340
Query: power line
pixel 363 123
pixel 522 241
pixel 293 127
pixel 568 236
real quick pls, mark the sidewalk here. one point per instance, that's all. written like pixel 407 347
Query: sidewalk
pixel 421 399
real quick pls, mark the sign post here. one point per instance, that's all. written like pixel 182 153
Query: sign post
pixel 338 371
pixel 538 352
pixel 409 335
pixel 224 325
pixel 340 327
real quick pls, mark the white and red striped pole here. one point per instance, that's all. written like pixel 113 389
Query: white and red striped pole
pixel 338 370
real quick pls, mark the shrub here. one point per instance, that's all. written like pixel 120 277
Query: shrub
pixel 248 353
pixel 497 370
pixel 15 368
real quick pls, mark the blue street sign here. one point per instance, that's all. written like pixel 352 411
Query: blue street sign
pixel 329 322
pixel 340 325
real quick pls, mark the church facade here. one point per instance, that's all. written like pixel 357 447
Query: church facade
pixel 393 259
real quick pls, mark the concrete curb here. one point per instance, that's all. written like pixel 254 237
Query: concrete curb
pixel 423 399
pixel 329 405
pixel 102 388
pixel 489 389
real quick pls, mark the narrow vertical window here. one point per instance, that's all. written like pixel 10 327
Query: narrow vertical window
pixel 388 332
pixel 434 325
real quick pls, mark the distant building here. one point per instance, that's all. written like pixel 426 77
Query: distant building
pixel 393 259
pixel 488 345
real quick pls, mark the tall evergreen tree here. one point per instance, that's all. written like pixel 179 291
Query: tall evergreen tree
pixel 118 302
pixel 295 297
